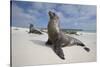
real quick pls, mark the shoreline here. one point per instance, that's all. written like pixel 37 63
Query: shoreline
pixel 76 31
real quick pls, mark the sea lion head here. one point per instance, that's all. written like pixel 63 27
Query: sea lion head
pixel 53 15
pixel 53 24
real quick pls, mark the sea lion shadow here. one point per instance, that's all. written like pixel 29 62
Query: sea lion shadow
pixel 39 42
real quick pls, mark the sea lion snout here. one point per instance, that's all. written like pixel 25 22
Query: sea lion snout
pixel 53 15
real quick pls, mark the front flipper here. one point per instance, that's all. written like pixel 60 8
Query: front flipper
pixel 59 52
pixel 49 42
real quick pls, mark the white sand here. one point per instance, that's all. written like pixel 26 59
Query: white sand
pixel 30 49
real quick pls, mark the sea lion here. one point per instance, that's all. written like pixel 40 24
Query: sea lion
pixel 33 30
pixel 57 39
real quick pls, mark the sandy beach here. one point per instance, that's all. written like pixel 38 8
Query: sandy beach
pixel 30 49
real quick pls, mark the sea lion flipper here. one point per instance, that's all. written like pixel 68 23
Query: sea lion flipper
pixel 84 46
pixel 48 43
pixel 87 49
pixel 59 52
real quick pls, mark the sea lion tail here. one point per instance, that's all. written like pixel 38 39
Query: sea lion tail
pixel 85 48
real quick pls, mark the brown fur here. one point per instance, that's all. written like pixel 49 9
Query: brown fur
pixel 57 39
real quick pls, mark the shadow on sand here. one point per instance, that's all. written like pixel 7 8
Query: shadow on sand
pixel 39 42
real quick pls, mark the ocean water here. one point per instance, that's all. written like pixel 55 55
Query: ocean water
pixel 78 30
pixel 91 31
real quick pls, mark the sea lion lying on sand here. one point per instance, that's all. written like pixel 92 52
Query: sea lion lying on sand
pixel 33 30
pixel 57 39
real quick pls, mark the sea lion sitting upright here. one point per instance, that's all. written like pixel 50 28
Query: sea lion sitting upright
pixel 57 39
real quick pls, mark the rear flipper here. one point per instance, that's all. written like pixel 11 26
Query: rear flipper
pixel 87 49
pixel 82 45
pixel 59 52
